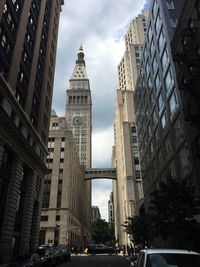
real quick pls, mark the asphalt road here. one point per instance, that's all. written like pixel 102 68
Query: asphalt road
pixel 97 261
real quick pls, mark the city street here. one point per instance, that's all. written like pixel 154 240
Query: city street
pixel 97 261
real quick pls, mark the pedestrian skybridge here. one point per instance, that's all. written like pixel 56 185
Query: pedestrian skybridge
pixel 99 173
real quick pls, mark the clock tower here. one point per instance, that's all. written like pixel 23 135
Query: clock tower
pixel 78 109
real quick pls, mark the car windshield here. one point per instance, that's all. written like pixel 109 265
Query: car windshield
pixel 173 260
pixel 43 252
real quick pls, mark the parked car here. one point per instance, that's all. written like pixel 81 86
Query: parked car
pixel 43 257
pixel 100 249
pixel 64 252
pixel 167 258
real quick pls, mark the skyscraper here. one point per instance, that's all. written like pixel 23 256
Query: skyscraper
pixel 127 189
pixel 165 124
pixel 28 34
pixel 79 116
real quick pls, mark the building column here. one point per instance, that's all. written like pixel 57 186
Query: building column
pixel 31 215
pixel 35 230
pixel 7 235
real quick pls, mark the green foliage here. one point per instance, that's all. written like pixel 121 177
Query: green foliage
pixel 102 232
pixel 172 207
pixel 171 214
pixel 137 227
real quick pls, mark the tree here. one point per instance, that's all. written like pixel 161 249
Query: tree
pixel 138 228
pixel 173 207
pixel 102 232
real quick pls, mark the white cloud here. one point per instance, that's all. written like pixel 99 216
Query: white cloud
pixel 102 142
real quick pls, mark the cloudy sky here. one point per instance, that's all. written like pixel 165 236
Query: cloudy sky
pixel 99 25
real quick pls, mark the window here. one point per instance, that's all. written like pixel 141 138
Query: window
pixel 178 131
pixel 155 64
pixel 160 159
pixel 62 142
pixel 134 139
pixel 55 126
pixel 141 260
pixel 170 4
pixel 3 41
pixel 44 218
pixel 184 160
pixel 62 154
pixel 165 60
pixel 158 23
pixel 150 34
pixel 149 82
pixel 133 129
pixel 57 217
pixel 172 169
pixel 145 53
pixel 174 22
pixel 137 175
pixel 160 103
pixel 46 200
pixel 157 136
pixel 161 41
pixel 49 160
pixel 147 70
pixel 155 118
pixel 169 82
pixel 151 100
pixel 168 147
pixel 136 161
pixel 157 83
pixel 151 148
pixel 173 103
pixel 164 120
pixel 152 47
pixel 154 9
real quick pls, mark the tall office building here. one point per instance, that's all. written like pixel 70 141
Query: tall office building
pixel 28 33
pixel 127 189
pixel 63 219
pixel 161 107
pixel 79 115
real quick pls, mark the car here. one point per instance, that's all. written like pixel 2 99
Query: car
pixel 44 256
pixel 167 258
pixel 65 252
pixel 100 249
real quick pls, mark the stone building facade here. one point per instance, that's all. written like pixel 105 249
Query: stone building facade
pixel 127 190
pixel 28 34
pixel 63 219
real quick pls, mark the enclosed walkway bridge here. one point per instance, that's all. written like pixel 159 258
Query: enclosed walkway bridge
pixel 100 173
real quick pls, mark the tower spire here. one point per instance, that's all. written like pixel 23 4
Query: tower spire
pixel 79 72
pixel 80 56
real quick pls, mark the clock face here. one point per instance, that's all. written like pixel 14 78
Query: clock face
pixel 77 121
